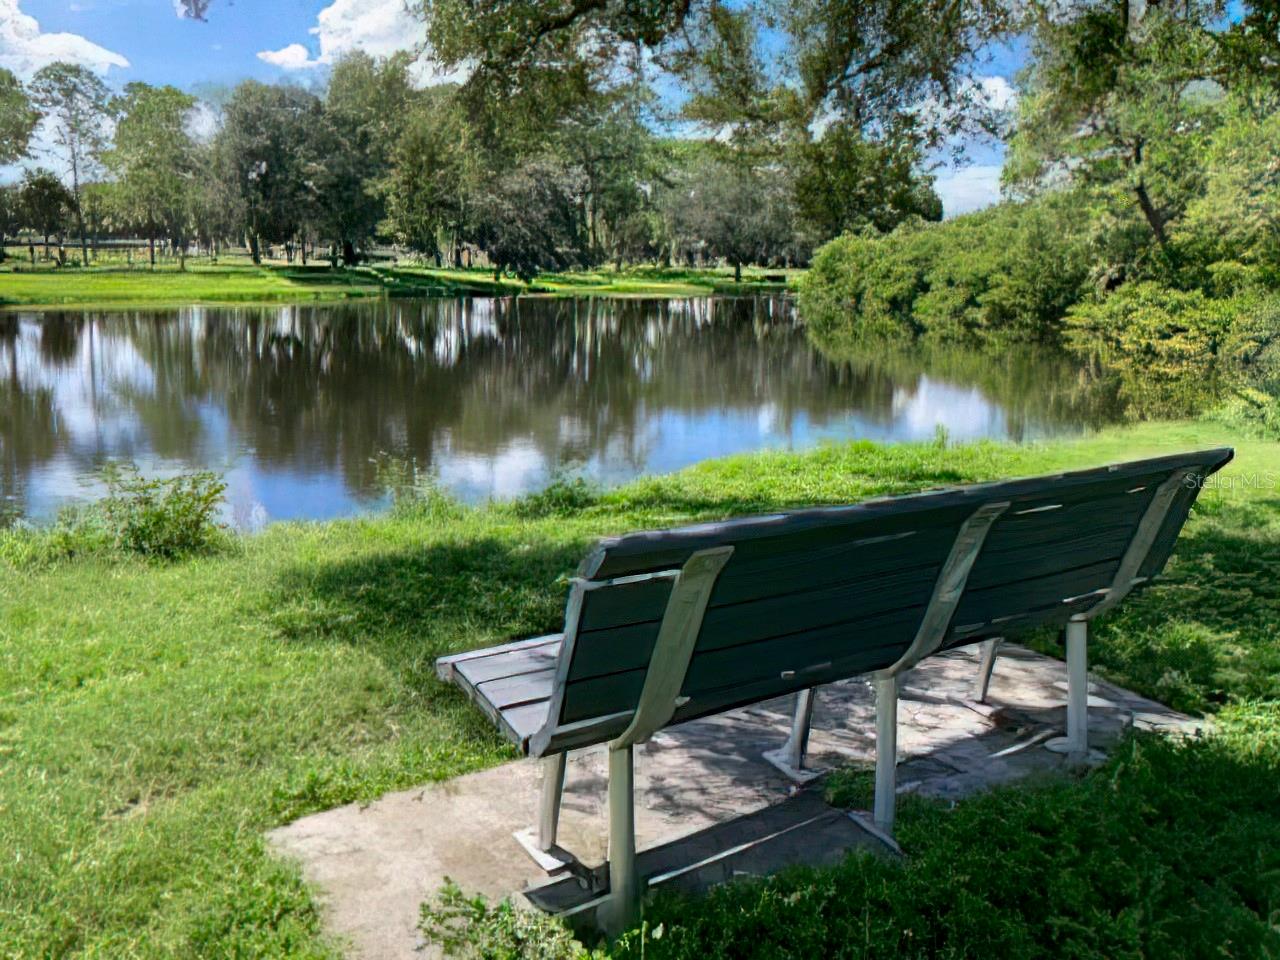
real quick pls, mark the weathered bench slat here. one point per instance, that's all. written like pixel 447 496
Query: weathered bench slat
pixel 539 657
pixel 445 666
pixel 519 689
pixel 663 550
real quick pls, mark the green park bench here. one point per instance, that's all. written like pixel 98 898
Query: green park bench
pixel 672 625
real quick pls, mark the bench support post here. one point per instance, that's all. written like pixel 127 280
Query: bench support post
pixel 789 758
pixel 540 843
pixel 989 649
pixel 886 751
pixel 1076 743
pixel 622 909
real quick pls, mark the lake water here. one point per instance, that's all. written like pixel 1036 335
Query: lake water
pixel 294 405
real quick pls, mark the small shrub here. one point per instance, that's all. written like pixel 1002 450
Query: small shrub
pixel 465 926
pixel 163 519
pixel 158 519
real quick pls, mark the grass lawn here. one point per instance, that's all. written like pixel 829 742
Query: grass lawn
pixel 156 719
pixel 236 280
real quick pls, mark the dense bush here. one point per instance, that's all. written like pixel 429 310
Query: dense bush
pixel 1006 274
pixel 1175 353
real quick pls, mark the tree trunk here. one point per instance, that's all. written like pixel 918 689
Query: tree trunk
pixel 1154 219
pixel 151 248
pixel 304 251
pixel 75 192
pixel 348 254
pixel 255 249
pixel 737 271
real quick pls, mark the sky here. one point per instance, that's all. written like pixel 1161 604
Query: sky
pixel 295 40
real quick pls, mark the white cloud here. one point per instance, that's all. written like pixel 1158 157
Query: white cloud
pixel 293 57
pixel 25 48
pixel 378 27
pixel 998 92
pixel 968 188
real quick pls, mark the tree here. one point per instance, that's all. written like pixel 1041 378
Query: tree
pixel 17 118
pixel 867 62
pixel 1237 216
pixel 529 219
pixel 1123 99
pixel 430 186
pixel 263 151
pixel 737 211
pixel 154 160
pixel 846 182
pixel 45 204
pixel 350 151
pixel 10 215
pixel 614 149
pixel 77 103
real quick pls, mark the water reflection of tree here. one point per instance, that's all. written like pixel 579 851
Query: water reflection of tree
pixel 1037 388
pixel 329 387
pixel 313 387
pixel 29 424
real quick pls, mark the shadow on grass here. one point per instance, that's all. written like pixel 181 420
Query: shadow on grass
pixel 410 606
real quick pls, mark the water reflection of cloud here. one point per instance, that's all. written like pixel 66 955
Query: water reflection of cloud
pixel 965 412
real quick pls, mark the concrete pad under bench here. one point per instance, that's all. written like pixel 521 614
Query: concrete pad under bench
pixel 373 865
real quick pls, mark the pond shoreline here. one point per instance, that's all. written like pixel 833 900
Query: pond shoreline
pixel 234 284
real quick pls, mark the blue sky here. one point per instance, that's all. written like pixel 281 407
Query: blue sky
pixel 295 39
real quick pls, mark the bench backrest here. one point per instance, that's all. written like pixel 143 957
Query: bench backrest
pixel 812 596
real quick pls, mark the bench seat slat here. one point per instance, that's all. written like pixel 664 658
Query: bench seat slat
pixel 514 691
pixel 481 670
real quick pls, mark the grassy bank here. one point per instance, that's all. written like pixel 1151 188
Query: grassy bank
pixel 155 719
pixel 236 280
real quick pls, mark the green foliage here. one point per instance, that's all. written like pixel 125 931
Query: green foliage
pixel 154 159
pixel 17 118
pixel 1117 99
pixel 162 519
pixel 465 926
pixel 564 496
pixel 1167 850
pixel 1237 216
pixel 46 203
pixel 1172 352
pixel 156 519
pixel 1008 273
pixel 845 182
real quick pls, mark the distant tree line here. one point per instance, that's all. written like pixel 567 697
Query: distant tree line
pixel 557 151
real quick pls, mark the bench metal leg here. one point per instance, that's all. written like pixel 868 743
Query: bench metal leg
pixel 1076 743
pixel 789 758
pixel 540 843
pixel 622 910
pixel 989 650
pixel 886 751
